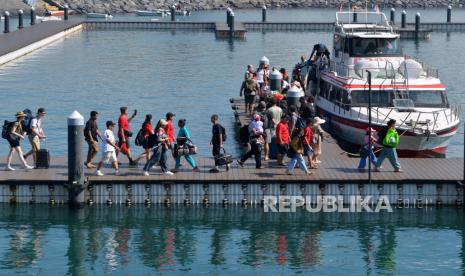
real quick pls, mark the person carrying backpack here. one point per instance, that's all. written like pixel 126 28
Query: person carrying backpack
pixel 250 89
pixel 389 141
pixel 145 133
pixel 217 141
pixel 256 143
pixel 295 152
pixel 35 134
pixel 14 134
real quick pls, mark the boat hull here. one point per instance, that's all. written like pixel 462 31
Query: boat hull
pixel 350 133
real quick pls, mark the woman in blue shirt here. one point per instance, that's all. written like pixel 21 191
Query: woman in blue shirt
pixel 184 138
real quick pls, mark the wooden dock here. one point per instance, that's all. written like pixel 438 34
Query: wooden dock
pixel 222 30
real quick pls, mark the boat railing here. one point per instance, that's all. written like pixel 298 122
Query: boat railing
pixel 428 71
pixel 343 70
pixel 373 21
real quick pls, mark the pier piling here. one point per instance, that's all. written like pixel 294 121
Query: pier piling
pixel 7 22
pixel 393 15
pixel 417 23
pixel 75 160
pixel 355 17
pixel 20 19
pixel 231 26
pixel 264 13
pixel 228 16
pixel 404 19
pixel 33 16
pixel 173 13
pixel 449 14
pixel 66 12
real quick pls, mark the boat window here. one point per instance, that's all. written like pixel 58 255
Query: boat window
pixel 378 98
pixel 428 98
pixel 369 47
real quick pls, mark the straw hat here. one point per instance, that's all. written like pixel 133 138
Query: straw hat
pixel 319 121
pixel 20 114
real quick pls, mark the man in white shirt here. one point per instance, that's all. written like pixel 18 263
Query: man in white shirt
pixel 36 134
pixel 109 149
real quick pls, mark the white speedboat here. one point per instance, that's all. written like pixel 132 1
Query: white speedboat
pixel 403 88
pixel 157 12
pixel 99 15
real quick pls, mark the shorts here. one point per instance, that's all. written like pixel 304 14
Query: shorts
pixel 35 142
pixel 270 134
pixel 249 99
pixel 109 157
pixel 13 142
pixel 308 151
pixel 124 146
pixel 282 149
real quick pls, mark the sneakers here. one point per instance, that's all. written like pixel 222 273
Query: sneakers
pixel 27 167
pixel 288 172
pixel 376 169
pixel 398 170
pixel 308 173
pixel 214 170
pixel 175 171
pixel 133 164
pixel 99 173
pixel 145 173
pixel 240 163
pixel 9 168
pixel 196 169
pixel 168 173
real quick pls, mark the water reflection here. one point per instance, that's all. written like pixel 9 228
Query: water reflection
pixel 178 239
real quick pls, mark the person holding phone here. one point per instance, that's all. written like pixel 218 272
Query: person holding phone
pixel 124 132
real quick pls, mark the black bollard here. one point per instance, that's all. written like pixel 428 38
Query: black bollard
pixel 66 12
pixel 75 160
pixel 355 17
pixel 7 22
pixel 417 23
pixel 228 16
pixel 404 19
pixel 173 13
pixel 20 19
pixel 33 16
pixel 393 16
pixel 231 26
pixel 449 14
pixel 264 13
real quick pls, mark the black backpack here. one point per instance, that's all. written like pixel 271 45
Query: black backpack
pixel 300 124
pixel 244 134
pixel 382 135
pixel 223 133
pixel 6 129
pixel 27 122
pixel 139 141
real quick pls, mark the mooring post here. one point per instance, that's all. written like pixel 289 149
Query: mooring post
pixel 33 16
pixel 231 27
pixel 393 16
pixel 463 180
pixel 173 13
pixel 75 160
pixel 66 12
pixel 7 22
pixel 355 17
pixel 404 19
pixel 264 13
pixel 20 19
pixel 417 24
pixel 228 16
pixel 449 14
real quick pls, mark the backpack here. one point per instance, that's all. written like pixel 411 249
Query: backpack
pixel 27 123
pixel 382 135
pixel 300 124
pixel 139 141
pixel 250 88
pixel 6 129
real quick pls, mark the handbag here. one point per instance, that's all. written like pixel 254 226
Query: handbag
pixel 182 150
pixel 128 133
pixel 223 158
pixel 192 149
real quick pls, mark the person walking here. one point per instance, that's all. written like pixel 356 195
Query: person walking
pixel 296 150
pixel 366 151
pixel 217 141
pixel 169 129
pixel 161 141
pixel 183 139
pixel 256 142
pixel 389 139
pixel 307 109
pixel 124 132
pixel 147 133
pixel 91 135
pixel 36 134
pixel 109 149
pixel 15 134
pixel 318 135
pixel 250 89
pixel 307 139
pixel 282 139
pixel 274 114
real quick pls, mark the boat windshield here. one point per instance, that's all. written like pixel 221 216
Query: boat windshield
pixel 428 98
pixel 370 47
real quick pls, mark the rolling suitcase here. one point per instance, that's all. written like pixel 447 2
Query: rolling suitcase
pixel 43 159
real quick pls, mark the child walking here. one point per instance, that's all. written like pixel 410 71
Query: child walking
pixel 109 149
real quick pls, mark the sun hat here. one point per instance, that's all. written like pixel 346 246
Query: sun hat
pixel 20 114
pixel 319 121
